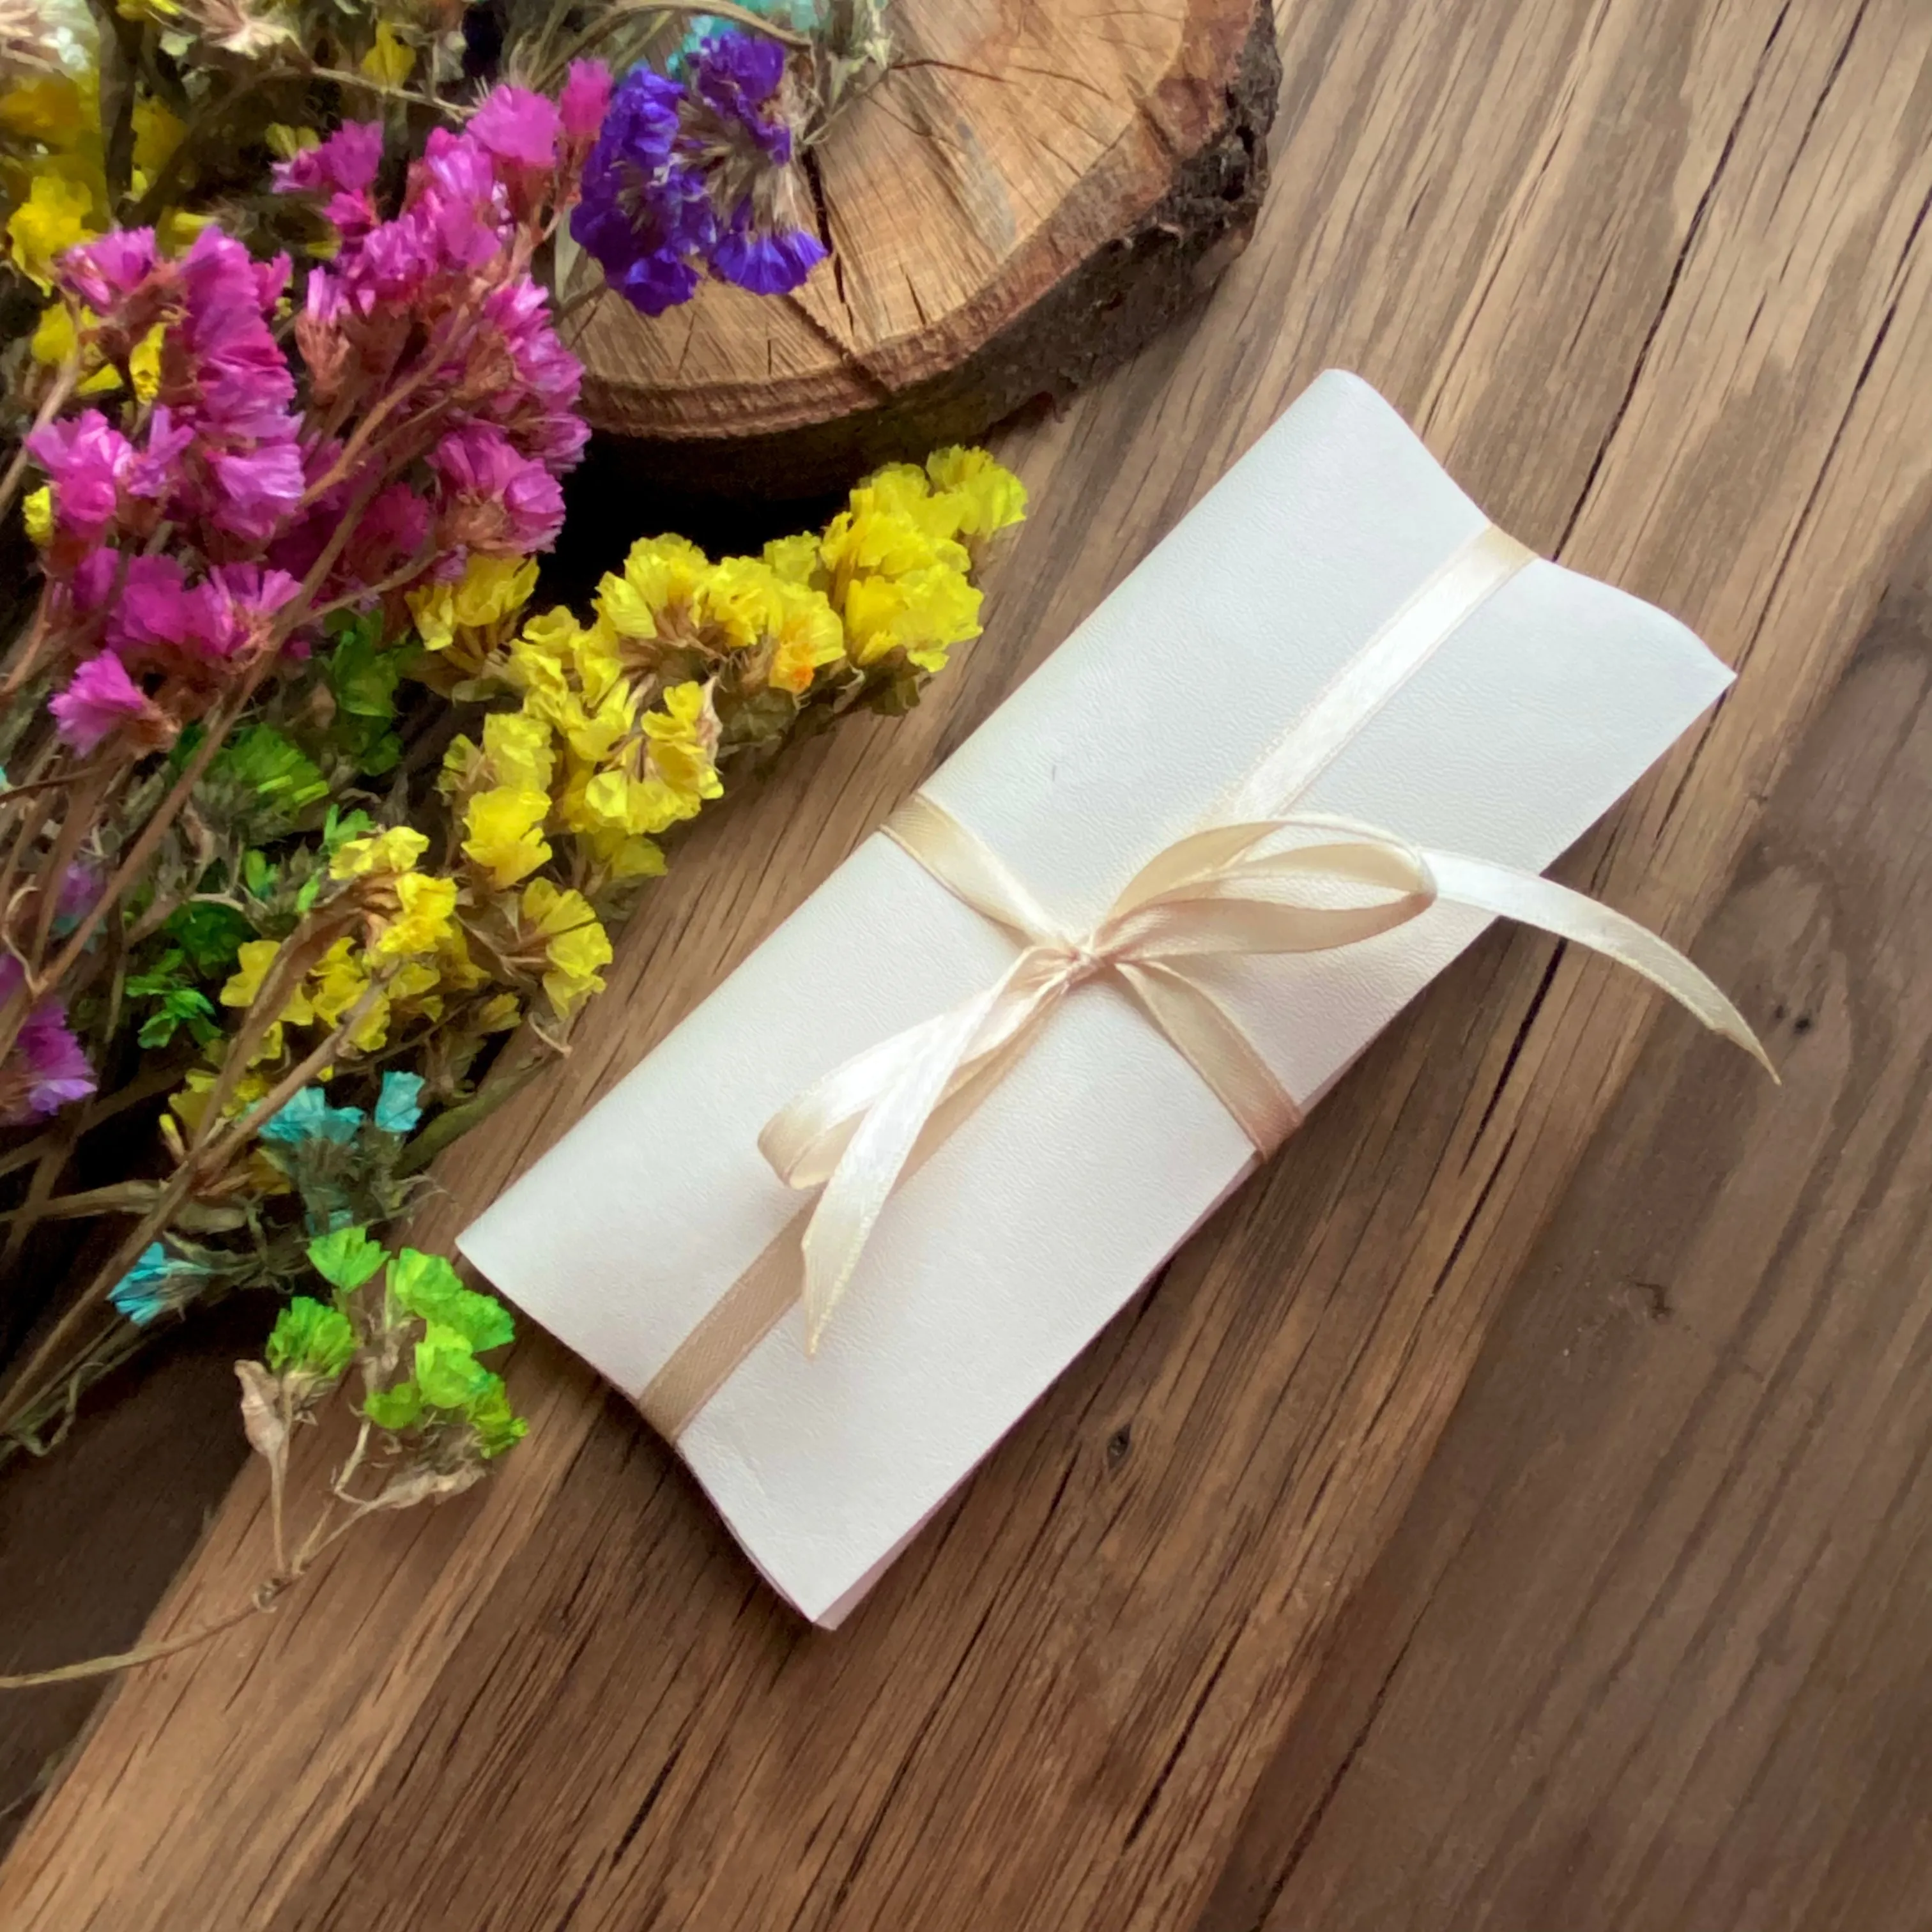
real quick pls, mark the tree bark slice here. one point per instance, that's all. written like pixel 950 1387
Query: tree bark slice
pixel 1036 189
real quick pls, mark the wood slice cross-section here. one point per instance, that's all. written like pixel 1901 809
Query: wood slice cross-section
pixel 1033 189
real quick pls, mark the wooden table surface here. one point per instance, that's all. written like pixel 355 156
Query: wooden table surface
pixel 1514 1509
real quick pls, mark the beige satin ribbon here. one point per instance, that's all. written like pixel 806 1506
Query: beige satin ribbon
pixel 1252 881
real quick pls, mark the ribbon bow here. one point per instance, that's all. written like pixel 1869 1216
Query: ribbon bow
pixel 1227 890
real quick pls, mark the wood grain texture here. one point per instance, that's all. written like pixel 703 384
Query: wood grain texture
pixel 1021 200
pixel 1652 1648
pixel 1650 276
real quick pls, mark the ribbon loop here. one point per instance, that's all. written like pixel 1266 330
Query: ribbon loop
pixel 1217 893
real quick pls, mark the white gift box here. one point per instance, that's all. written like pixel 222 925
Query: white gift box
pixel 1001 1257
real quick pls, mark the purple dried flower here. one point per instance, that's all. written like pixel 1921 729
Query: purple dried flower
pixel 46 1067
pixel 698 174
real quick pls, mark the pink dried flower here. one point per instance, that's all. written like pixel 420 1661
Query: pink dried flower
pixel 101 699
pixel 245 597
pixel 155 474
pixel 585 100
pixel 540 408
pixel 102 273
pixel 84 459
pixel 347 160
pixel 393 529
pixel 157 618
pixel 93 582
pixel 496 499
pixel 518 127
pixel 258 490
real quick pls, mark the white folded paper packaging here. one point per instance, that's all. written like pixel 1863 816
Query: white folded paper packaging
pixel 1335 635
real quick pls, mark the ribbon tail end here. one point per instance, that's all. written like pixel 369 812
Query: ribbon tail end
pixel 1735 1028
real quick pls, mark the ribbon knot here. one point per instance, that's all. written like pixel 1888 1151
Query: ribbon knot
pixel 1080 962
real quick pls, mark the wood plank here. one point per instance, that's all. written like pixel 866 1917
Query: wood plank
pixel 1650 1647
pixel 1651 276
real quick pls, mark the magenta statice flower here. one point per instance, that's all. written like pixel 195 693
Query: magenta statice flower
pixel 100 700
pixel 104 272
pixel 494 421
pixel 243 599
pixel 85 459
pixel 538 408
pixel 227 384
pixel 518 127
pixel 496 499
pixel 155 472
pixel 257 490
pixel 157 621
pixel 699 173
pixel 46 1068
pixel 584 101
pixel 346 162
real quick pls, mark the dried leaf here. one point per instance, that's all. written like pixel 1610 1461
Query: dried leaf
pixel 261 1412
pixel 422 1484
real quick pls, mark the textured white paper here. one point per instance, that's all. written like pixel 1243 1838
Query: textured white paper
pixel 1003 1256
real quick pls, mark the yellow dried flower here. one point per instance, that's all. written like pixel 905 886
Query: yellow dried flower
pixel 340 979
pixel 36 512
pixel 684 743
pixel 54 339
pixel 55 111
pixel 661 576
pixel 176 230
pixel 253 959
pixel 795 559
pixel 391 60
pixel 921 613
pixel 490 591
pixel 575 944
pixel 395 850
pixel 505 837
pixel 285 142
pixel 189 1102
pixel 158 132
pixel 620 856
pixel 518 748
pixel 497 1014
pixel 797 622
pixel 988 496
pixel 57 214
pixel 425 918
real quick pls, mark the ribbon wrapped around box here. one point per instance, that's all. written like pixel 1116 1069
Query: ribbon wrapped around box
pixel 855 1213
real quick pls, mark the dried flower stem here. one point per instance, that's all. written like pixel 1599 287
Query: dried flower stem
pixel 145 1653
